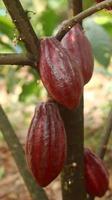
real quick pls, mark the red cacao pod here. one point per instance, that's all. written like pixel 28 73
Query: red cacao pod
pixel 46 144
pixel 98 1
pixel 56 69
pixel 96 175
pixel 80 50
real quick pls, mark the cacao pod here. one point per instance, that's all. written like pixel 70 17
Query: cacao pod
pixel 98 1
pixel 56 70
pixel 46 144
pixel 96 175
pixel 80 50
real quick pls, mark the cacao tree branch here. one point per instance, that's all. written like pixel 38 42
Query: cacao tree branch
pixel 24 27
pixel 29 37
pixel 16 59
pixel 79 17
pixel 73 173
pixel 36 192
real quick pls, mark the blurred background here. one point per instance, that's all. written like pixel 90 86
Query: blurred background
pixel 21 89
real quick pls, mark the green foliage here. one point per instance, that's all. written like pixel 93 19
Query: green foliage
pixel 6 27
pixel 45 16
pixel 49 23
pixel 100 40
pixel 104 19
pixel 28 91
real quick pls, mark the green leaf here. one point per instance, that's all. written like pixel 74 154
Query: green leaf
pixel 108 28
pixel 49 20
pixel 6 26
pixel 29 91
pixel 105 20
pixel 100 40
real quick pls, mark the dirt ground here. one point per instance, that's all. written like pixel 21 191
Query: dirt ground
pixel 98 97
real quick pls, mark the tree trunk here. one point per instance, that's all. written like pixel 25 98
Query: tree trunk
pixel 73 174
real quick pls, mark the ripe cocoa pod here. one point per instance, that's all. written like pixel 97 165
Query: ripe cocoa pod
pixel 46 144
pixel 98 1
pixel 56 69
pixel 80 50
pixel 96 175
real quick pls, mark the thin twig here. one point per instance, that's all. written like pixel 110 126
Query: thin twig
pixel 36 192
pixel 29 37
pixel 78 18
pixel 106 136
pixel 16 59
pixel 24 27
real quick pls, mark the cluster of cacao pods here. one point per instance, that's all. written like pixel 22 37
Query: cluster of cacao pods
pixel 66 66
pixel 46 149
pixel 64 69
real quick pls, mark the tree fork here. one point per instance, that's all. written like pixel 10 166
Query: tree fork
pixel 23 25
pixel 80 16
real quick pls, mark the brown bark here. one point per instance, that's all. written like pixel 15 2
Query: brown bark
pixel 73 173
pixel 75 7
pixel 72 177
pixel 24 27
pixel 29 37
pixel 79 17
pixel 15 59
